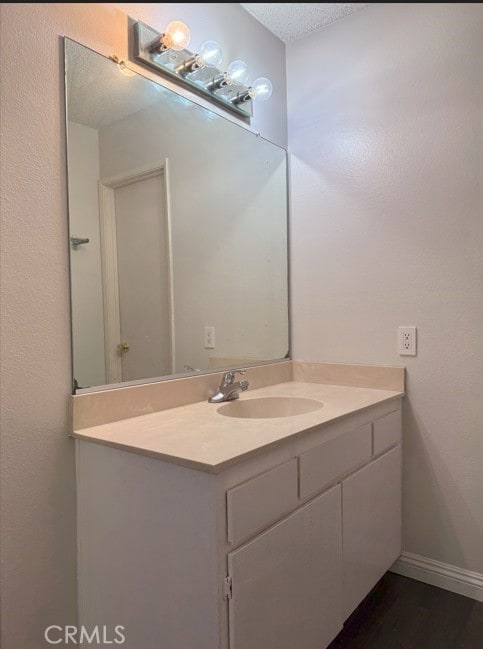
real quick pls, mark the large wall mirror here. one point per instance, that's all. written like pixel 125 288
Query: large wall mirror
pixel 178 231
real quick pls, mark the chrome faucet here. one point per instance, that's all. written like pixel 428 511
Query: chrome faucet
pixel 228 389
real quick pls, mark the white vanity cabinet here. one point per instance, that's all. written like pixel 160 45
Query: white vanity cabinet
pixel 273 552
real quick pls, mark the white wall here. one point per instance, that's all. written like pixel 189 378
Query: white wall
pixel 229 239
pixel 85 260
pixel 38 489
pixel 385 124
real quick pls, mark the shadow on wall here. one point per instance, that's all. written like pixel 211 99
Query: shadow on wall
pixel 431 528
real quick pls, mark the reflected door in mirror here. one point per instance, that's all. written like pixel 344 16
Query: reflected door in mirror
pixel 138 338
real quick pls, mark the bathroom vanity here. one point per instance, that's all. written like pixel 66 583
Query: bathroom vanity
pixel 201 530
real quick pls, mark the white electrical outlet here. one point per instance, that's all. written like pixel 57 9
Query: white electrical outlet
pixel 209 338
pixel 406 341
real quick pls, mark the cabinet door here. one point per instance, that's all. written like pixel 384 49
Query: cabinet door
pixel 286 583
pixel 371 506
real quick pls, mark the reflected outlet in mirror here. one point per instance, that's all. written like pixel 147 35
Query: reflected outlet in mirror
pixel 178 226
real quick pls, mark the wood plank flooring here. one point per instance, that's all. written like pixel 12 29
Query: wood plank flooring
pixel 401 613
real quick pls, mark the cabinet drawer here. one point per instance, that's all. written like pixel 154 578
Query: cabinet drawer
pixel 323 464
pixel 255 504
pixel 387 432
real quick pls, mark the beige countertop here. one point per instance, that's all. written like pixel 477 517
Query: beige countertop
pixel 197 436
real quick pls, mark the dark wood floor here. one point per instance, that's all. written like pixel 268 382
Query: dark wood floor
pixel 401 613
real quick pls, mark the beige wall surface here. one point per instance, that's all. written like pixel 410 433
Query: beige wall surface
pixel 385 136
pixel 38 483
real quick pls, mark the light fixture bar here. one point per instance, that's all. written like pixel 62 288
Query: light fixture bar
pixel 176 65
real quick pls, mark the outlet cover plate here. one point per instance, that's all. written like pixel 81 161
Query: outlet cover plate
pixel 406 341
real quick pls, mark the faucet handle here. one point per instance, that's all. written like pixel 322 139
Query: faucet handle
pixel 233 373
pixel 229 377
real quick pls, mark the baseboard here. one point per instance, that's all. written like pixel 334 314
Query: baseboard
pixel 443 575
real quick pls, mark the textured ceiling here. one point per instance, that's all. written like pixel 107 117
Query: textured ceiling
pixel 292 20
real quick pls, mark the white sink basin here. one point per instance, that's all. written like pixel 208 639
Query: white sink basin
pixel 269 407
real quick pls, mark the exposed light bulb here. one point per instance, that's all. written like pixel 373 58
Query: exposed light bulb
pixel 261 89
pixel 237 72
pixel 210 53
pixel 176 36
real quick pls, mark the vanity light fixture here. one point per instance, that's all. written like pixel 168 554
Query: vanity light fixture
pixel 200 71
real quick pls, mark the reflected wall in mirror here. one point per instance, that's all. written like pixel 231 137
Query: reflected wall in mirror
pixel 178 231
